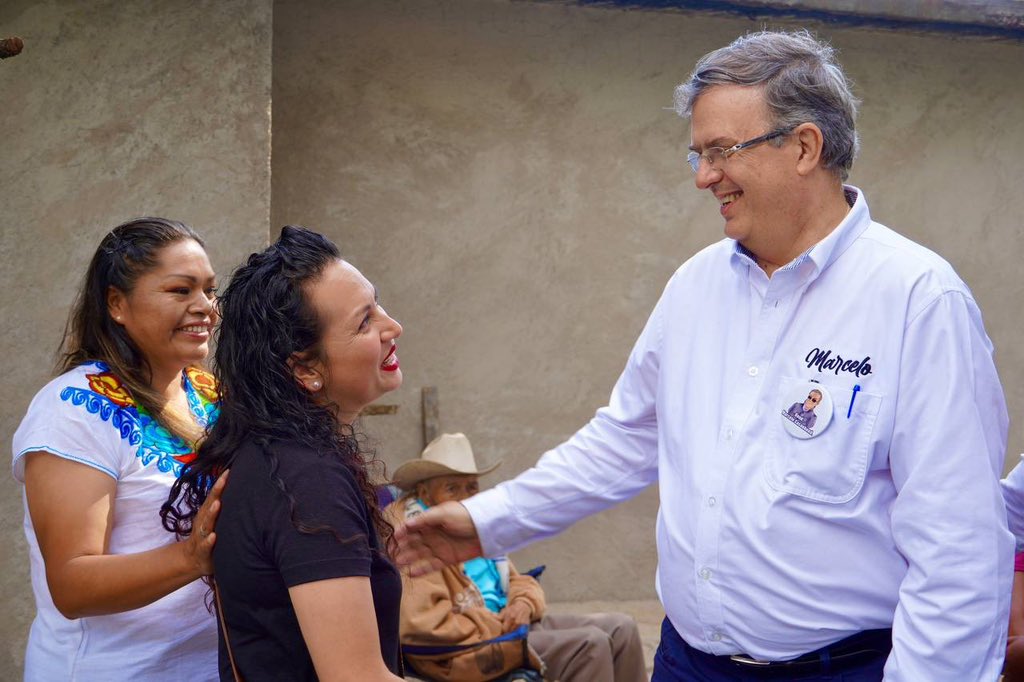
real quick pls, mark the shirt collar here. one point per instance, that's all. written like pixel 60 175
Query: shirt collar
pixel 825 252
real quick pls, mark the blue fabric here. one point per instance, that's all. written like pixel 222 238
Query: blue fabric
pixel 485 575
pixel 520 632
pixel 677 661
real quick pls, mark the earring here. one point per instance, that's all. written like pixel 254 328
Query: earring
pixel 316 385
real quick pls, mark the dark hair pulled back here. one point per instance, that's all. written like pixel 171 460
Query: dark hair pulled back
pixel 127 252
pixel 266 319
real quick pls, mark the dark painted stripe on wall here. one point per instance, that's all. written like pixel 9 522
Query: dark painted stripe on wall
pixel 1013 28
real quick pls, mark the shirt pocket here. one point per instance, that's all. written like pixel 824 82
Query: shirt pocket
pixel 830 467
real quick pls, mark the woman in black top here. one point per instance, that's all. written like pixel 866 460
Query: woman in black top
pixel 305 585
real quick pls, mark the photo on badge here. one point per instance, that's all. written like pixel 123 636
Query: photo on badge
pixel 807 410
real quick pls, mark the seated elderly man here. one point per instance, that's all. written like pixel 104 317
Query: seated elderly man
pixel 482 599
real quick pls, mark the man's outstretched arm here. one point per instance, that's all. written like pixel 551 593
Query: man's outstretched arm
pixel 609 460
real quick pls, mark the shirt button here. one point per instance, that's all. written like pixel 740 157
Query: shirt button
pixel 705 573
pixel 753 371
pixel 711 501
pixel 729 433
pixel 716 636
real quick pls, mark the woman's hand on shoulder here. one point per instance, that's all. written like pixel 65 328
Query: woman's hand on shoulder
pixel 198 547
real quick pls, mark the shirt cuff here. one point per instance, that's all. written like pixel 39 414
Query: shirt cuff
pixel 496 524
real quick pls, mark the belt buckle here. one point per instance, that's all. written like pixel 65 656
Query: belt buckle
pixel 743 659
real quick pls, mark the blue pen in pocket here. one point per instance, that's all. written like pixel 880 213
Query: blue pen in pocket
pixel 856 387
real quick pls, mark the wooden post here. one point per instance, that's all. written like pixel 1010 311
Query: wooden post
pixel 431 416
pixel 375 410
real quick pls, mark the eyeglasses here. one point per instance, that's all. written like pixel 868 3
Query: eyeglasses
pixel 813 399
pixel 716 156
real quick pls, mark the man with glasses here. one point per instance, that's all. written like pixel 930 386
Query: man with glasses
pixel 803 413
pixel 873 545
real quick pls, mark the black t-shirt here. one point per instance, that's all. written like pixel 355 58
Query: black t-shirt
pixel 260 554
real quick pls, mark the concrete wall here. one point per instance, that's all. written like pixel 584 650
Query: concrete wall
pixel 114 110
pixel 507 175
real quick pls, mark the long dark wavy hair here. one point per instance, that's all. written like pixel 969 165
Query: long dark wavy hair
pixel 266 319
pixel 125 253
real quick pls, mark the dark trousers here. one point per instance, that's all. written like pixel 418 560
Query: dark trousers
pixel 677 661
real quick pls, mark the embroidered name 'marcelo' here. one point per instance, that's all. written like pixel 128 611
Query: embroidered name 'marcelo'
pixel 826 362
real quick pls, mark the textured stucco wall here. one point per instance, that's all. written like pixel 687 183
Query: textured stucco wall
pixel 115 109
pixel 506 173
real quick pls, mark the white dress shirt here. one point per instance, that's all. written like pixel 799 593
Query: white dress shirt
pixel 774 545
pixel 1013 492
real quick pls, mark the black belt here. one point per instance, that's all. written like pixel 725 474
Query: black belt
pixel 842 655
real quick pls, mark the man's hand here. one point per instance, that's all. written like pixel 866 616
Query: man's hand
pixel 441 536
pixel 515 614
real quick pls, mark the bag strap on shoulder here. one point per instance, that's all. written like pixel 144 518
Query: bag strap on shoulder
pixel 224 629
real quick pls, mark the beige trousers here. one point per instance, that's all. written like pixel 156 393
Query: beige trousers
pixel 598 647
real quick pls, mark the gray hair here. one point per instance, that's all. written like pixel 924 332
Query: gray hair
pixel 802 82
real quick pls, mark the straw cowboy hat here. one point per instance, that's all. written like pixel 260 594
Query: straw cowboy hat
pixel 448 454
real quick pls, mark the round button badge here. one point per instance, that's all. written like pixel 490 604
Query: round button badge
pixel 807 410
